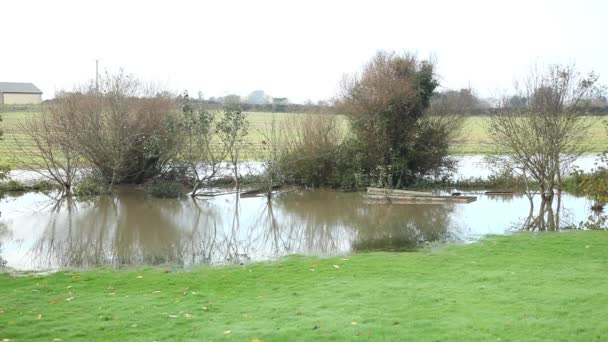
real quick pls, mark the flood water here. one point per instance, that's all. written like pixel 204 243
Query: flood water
pixel 131 228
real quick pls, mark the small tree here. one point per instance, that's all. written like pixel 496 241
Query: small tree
pixel 198 151
pixel 270 154
pixel 232 129
pixel 543 139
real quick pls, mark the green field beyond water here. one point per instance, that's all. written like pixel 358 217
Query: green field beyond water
pixel 473 138
pixel 525 287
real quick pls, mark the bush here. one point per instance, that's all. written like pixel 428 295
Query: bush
pixel 91 186
pixel 165 189
pixel 4 170
pixel 12 186
pixel 43 185
pixel 318 154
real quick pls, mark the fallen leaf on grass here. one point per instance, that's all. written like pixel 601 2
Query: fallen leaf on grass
pixel 205 308
pixel 188 315
pixel 57 339
pixel 140 276
pixel 70 299
pixel 156 292
pixel 353 323
pixel 256 340
pixel 39 317
pixel 69 287
pixel 172 316
pixel 336 266
pixel 227 332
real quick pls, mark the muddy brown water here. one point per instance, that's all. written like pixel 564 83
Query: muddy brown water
pixel 132 229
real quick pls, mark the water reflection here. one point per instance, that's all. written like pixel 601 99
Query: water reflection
pixel 129 228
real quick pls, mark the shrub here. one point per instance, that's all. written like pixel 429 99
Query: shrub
pixel 165 189
pixel 4 171
pixel 91 186
pixel 317 153
pixel 43 185
pixel 13 186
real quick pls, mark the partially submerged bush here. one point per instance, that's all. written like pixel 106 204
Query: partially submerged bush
pixel 5 170
pixel 92 186
pixel 12 186
pixel 311 150
pixel 165 189
pixel 43 185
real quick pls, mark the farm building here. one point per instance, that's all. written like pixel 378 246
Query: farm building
pixel 12 93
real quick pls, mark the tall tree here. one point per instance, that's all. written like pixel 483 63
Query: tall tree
pixel 386 106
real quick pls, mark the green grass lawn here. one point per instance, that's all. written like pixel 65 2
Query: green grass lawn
pixel 473 139
pixel 526 287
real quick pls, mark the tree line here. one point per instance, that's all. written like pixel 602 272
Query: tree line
pixel 398 132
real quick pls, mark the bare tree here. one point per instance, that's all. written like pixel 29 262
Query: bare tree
pixel 543 139
pixel 123 129
pixel 45 148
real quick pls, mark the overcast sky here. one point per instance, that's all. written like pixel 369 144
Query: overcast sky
pixel 294 49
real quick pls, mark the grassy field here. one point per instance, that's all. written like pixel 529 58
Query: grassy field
pixel 473 139
pixel 527 287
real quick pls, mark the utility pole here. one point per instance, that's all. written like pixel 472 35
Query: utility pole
pixel 97 76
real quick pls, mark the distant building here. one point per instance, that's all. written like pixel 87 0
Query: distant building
pixel 12 93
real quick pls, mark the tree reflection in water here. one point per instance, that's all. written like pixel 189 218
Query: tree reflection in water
pixel 370 226
pixel 547 218
pixel 129 228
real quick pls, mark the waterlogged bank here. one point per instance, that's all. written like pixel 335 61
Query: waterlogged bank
pixel 130 228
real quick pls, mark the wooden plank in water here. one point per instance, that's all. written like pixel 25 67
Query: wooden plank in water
pixel 420 199
pixel 394 192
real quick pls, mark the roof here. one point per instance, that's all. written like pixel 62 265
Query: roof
pixel 14 87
